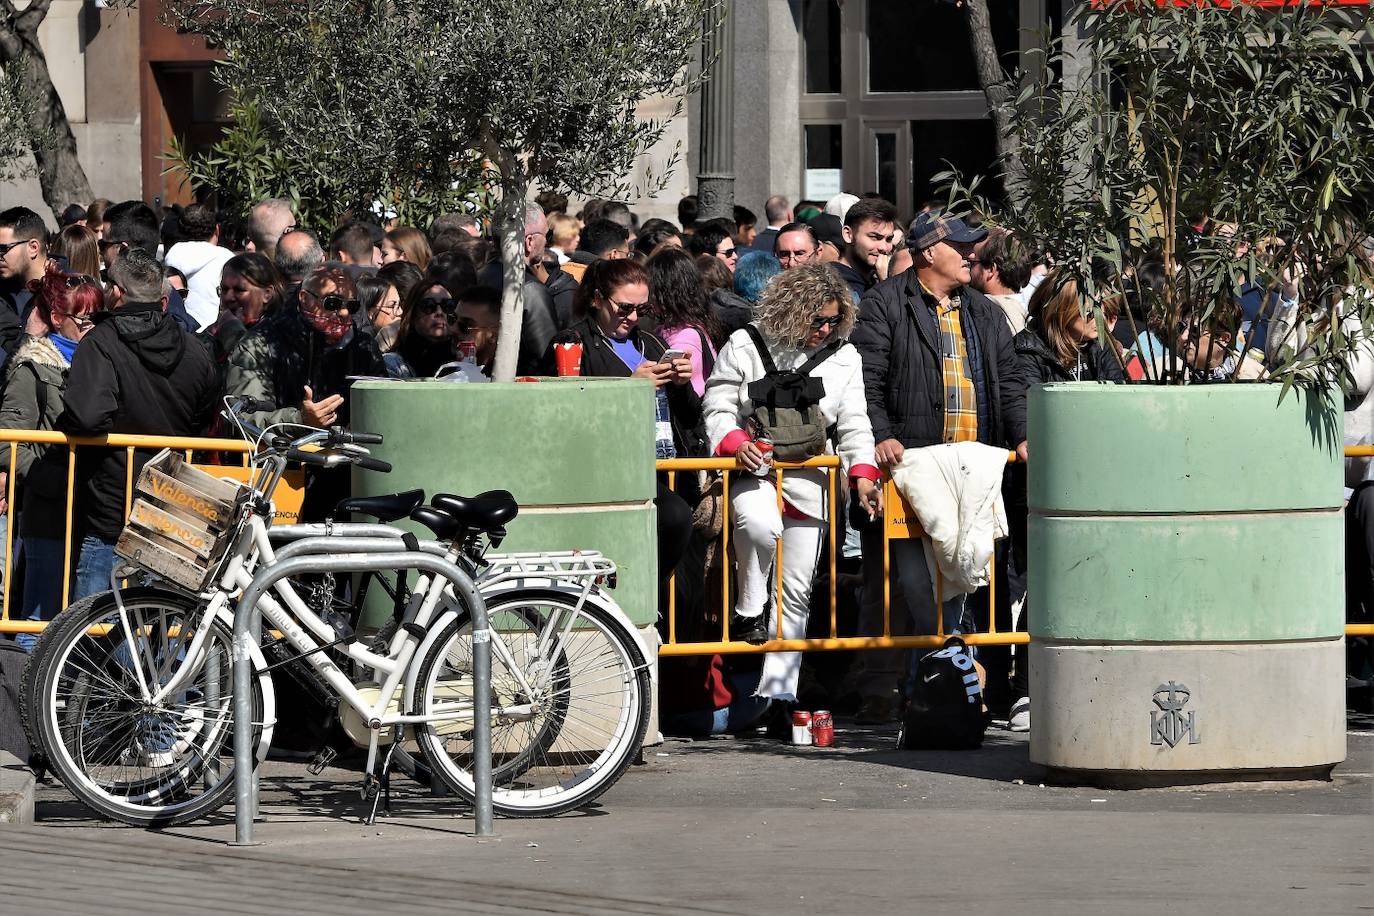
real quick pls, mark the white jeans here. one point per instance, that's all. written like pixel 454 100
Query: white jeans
pixel 758 524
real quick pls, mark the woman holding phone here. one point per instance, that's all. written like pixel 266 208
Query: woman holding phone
pixel 613 296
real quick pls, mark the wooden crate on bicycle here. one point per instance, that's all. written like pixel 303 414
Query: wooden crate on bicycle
pixel 179 521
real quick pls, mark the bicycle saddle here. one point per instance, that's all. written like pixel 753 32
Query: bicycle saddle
pixel 484 512
pixel 383 508
pixel 444 526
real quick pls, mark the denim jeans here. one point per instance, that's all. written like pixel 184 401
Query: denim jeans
pixel 94 567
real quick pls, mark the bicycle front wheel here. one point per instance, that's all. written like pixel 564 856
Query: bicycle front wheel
pixel 570 704
pixel 128 759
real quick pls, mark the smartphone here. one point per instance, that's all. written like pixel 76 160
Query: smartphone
pixel 670 355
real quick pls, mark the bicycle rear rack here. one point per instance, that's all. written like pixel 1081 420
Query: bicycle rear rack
pixel 553 566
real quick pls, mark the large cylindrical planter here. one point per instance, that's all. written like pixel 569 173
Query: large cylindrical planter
pixel 577 454
pixel 1186 583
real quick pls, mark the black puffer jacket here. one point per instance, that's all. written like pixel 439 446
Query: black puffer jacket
pixel 600 361
pixel 136 372
pixel 1096 363
pixel 898 336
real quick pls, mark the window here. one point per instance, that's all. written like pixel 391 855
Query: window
pixel 923 45
pixel 824 161
pixel 970 146
pixel 821 44
pixel 885 166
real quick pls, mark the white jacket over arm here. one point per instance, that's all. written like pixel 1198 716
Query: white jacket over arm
pixel 727 407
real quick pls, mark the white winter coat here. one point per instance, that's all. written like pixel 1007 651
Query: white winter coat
pixel 956 490
pixel 202 263
pixel 727 407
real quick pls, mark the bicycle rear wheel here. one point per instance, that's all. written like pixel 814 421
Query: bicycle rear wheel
pixel 570 703
pixel 129 760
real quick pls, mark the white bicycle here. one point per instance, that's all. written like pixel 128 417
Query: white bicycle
pixel 131 690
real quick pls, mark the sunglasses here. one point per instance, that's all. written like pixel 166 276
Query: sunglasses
pixel 74 281
pixel 447 306
pixel 7 248
pixel 824 321
pixel 81 321
pixel 468 325
pixel 333 303
pixel 626 309
pixel 728 253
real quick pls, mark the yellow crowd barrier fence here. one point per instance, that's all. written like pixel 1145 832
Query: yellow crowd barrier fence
pixel 899 523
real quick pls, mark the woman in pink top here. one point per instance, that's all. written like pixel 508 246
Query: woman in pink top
pixel 686 321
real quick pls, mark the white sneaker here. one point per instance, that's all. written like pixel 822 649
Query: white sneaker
pixel 1019 720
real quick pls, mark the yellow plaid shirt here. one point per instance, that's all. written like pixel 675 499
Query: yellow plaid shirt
pixel 961 399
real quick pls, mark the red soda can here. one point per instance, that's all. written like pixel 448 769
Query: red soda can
pixel 801 727
pixel 766 446
pixel 822 728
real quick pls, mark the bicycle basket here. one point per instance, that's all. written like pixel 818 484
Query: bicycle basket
pixel 181 522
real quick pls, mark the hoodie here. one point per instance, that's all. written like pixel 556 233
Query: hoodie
pixel 202 263
pixel 136 372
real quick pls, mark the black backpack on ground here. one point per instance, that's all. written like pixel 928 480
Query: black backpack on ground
pixel 787 403
pixel 945 711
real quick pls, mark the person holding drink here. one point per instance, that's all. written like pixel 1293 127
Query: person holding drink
pixel 793 357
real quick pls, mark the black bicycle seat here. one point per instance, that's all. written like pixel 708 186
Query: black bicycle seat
pixel 484 512
pixel 383 508
pixel 444 526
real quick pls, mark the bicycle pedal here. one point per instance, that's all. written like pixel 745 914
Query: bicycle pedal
pixel 370 786
pixel 321 760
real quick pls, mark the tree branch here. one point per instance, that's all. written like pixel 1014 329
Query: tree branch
pixel 32 17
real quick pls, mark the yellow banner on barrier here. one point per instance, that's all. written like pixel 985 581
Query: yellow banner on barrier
pixel 898 517
pixel 286 500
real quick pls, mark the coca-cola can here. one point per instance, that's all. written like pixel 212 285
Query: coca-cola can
pixel 801 727
pixel 764 445
pixel 822 728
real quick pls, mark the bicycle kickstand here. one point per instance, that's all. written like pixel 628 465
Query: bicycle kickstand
pixel 384 781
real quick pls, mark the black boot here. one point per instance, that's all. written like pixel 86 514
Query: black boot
pixel 753 630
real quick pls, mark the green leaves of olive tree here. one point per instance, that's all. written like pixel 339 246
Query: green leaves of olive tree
pixel 1143 119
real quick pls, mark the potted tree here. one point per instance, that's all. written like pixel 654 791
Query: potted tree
pixel 418 104
pixel 1209 166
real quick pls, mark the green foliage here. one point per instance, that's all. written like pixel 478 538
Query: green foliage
pixel 17 136
pixel 420 104
pixel 1258 119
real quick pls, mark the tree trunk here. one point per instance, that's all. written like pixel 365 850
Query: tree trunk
pixel 60 174
pixel 511 232
pixel 998 89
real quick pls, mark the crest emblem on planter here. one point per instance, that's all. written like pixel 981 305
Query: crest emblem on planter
pixel 1168 723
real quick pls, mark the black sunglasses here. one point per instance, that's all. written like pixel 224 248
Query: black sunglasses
pixel 430 306
pixel 7 248
pixel 824 321
pixel 333 303
pixel 76 280
pixel 626 309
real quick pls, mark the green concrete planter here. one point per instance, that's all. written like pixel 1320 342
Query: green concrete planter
pixel 1186 582
pixel 577 454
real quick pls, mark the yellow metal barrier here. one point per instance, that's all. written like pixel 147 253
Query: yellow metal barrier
pixel 13 438
pixel 899 522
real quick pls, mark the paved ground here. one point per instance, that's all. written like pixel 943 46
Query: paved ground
pixel 743 826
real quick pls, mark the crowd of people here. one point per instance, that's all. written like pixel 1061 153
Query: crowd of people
pixel 831 328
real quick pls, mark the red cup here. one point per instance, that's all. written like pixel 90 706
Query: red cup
pixel 568 358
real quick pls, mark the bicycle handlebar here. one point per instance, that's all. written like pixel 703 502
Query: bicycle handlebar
pixel 337 445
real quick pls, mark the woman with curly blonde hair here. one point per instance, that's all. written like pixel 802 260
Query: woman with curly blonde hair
pixel 796 343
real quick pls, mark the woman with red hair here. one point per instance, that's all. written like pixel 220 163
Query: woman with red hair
pixel 63 305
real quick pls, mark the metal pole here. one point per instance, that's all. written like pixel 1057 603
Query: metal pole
pixel 716 174
pixel 466 591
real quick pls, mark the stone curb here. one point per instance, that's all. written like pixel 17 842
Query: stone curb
pixel 16 791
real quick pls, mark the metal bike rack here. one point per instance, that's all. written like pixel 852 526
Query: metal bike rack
pixel 388 558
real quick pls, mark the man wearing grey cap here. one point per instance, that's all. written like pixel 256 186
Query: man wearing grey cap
pixel 939 366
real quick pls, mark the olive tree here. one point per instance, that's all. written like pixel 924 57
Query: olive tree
pixel 1258 120
pixel 416 102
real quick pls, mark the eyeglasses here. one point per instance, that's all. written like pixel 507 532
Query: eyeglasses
pixel 7 248
pixel 333 303
pixel 468 325
pixel 785 256
pixel 626 309
pixel 447 306
pixel 81 321
pixel 824 321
